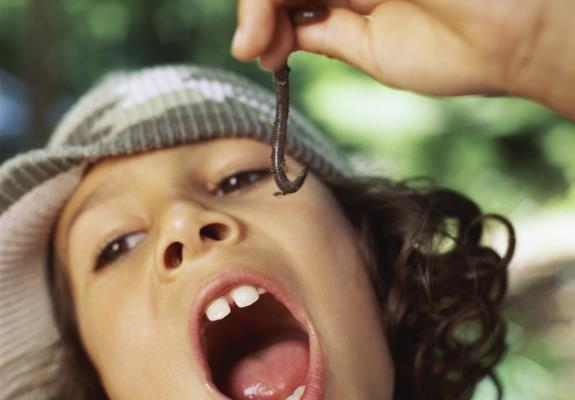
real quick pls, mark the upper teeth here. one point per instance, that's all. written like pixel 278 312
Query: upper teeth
pixel 242 296
pixel 218 309
pixel 296 395
pixel 245 295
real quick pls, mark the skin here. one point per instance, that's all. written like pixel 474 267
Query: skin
pixel 436 47
pixel 132 314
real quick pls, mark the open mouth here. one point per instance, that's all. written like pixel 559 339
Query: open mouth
pixel 254 347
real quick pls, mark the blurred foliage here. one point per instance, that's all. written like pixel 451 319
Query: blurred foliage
pixel 511 155
pixel 475 144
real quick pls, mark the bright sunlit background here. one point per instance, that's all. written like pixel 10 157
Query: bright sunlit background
pixel 512 156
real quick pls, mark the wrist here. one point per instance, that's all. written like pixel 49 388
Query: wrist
pixel 543 68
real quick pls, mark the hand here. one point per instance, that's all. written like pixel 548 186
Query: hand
pixel 436 47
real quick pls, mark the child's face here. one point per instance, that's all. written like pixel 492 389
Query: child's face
pixel 136 312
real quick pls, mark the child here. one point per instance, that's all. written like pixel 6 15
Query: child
pixel 144 256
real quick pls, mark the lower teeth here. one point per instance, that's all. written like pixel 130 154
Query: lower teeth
pixel 296 395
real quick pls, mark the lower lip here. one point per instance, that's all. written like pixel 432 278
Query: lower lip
pixel 223 283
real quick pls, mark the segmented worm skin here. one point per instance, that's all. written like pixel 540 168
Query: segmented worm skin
pixel 299 16
pixel 285 186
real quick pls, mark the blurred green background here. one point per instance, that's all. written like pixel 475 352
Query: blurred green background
pixel 513 156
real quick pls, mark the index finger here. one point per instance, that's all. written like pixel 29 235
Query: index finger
pixel 255 28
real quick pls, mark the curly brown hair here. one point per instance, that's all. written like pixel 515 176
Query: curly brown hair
pixel 440 289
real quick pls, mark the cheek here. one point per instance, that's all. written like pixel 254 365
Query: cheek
pixel 108 323
pixel 337 269
pixel 320 240
pixel 339 295
pixel 322 235
pixel 121 338
pixel 138 351
pixel 117 329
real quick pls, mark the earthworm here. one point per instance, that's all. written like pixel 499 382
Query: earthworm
pixel 285 186
pixel 299 15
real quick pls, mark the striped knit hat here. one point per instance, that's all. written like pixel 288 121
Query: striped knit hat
pixel 126 114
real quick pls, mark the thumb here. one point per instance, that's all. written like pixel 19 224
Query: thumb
pixel 343 35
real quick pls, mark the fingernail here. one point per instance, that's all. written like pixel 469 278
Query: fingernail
pixel 236 41
pixel 262 66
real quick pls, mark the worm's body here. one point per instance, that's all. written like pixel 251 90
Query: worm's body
pixel 285 186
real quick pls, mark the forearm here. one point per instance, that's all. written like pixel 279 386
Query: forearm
pixel 544 69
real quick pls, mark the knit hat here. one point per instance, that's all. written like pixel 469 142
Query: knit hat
pixel 125 114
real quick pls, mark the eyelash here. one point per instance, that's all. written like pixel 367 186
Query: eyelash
pixel 111 253
pixel 249 174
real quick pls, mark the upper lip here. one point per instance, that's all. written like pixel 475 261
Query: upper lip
pixel 222 283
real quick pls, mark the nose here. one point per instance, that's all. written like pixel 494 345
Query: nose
pixel 187 230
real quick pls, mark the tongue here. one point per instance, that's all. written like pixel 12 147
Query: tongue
pixel 272 373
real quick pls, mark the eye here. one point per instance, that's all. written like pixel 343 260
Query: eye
pixel 240 180
pixel 118 248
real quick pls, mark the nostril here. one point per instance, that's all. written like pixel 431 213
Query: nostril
pixel 214 231
pixel 173 256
